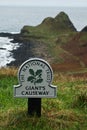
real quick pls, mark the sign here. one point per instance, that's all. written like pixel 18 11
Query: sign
pixel 35 77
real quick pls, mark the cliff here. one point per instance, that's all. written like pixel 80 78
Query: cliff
pixel 61 23
pixel 55 40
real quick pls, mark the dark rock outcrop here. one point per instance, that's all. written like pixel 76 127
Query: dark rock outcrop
pixel 2 34
pixel 23 53
pixel 29 49
pixel 84 29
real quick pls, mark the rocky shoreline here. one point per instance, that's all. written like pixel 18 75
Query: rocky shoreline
pixel 28 48
pixel 23 53
pixel 55 40
pixel 31 39
pixel 20 54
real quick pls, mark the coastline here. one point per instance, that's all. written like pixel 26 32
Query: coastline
pixel 28 48
pixel 53 41
pixel 6 46
pixel 22 53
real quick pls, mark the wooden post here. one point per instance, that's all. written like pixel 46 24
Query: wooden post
pixel 34 106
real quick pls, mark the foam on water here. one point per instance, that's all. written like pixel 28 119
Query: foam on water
pixel 6 46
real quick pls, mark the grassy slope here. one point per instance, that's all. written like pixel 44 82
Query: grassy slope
pixel 61 41
pixel 66 112
pixel 61 58
pixel 54 42
pixel 78 47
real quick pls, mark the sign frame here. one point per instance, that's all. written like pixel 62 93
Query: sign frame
pixel 45 68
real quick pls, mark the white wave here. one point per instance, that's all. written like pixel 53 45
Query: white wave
pixel 6 46
pixel 15 32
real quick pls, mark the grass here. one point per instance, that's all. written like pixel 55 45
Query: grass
pixel 66 112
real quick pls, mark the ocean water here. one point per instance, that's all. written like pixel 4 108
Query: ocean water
pixel 12 19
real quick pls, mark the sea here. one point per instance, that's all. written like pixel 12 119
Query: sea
pixel 12 20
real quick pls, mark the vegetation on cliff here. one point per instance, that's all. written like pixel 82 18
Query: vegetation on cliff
pixel 60 24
